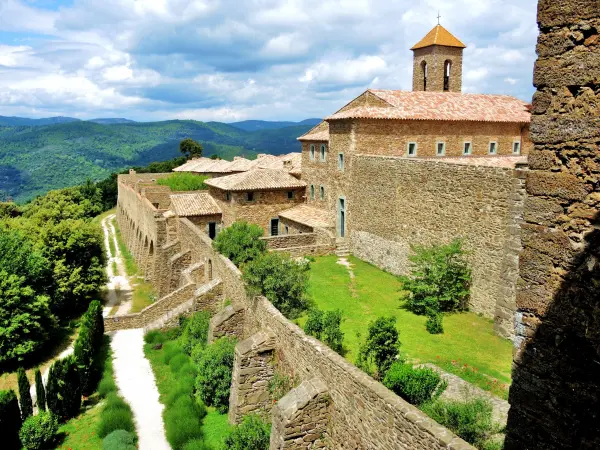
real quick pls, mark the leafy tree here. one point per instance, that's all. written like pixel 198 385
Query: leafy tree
pixel 19 256
pixel 39 390
pixel 25 319
pixel 240 242
pixel 39 432
pixel 75 247
pixel 215 364
pixel 283 280
pixel 190 148
pixel 252 433
pixel 314 323
pixel 63 389
pixel 439 279
pixel 195 331
pixel 70 203
pixel 380 348
pixel 10 419
pixel 24 395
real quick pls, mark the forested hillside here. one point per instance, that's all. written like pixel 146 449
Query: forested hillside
pixel 35 159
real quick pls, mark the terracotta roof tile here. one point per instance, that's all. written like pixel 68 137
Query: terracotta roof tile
pixel 318 133
pixel 194 204
pixel 451 106
pixel 307 215
pixel 291 162
pixel 256 180
pixel 439 36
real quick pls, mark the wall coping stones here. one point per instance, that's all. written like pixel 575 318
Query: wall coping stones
pixel 260 342
pixel 299 397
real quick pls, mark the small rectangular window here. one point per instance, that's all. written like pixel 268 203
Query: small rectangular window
pixel 412 149
pixel 493 148
pixel 322 193
pixel 287 230
pixel 440 149
pixel 312 191
pixel 290 195
pixel 341 161
pixel 227 196
pixel 323 150
pixel 250 196
pixel 312 152
pixel 516 148
pixel 467 149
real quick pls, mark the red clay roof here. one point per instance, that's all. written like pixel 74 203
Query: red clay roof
pixel 307 215
pixel 318 133
pixel 439 36
pixel 194 204
pixel 256 180
pixel 452 106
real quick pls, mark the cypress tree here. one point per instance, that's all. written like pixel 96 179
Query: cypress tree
pixel 39 390
pixel 10 420
pixel 95 311
pixel 24 394
pixel 63 389
pixel 84 355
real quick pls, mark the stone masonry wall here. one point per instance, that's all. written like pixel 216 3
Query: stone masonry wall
pixel 435 56
pixel 555 394
pixel 429 202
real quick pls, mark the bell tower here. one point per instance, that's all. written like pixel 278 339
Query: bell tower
pixel 437 62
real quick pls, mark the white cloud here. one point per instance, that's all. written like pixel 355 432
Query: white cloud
pixel 226 59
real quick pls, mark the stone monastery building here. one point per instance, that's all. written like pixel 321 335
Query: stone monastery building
pixel 386 171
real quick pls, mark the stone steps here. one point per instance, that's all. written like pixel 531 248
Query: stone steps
pixel 342 249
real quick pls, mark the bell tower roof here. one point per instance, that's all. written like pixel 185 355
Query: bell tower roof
pixel 439 36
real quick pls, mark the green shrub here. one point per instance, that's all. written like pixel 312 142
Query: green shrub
pixel 115 415
pixel 183 422
pixel 416 385
pixel 195 331
pixel 240 242
pixel 106 386
pixel 251 434
pixel 380 348
pixel 154 337
pixel 25 401
pixel 196 444
pixel 39 390
pixel 434 323
pixel 171 350
pixel 283 280
pixel 63 390
pixel 280 385
pixel 332 332
pixel 439 279
pixel 177 362
pixel 39 432
pixel 173 333
pixel 10 419
pixel 87 346
pixel 215 364
pixel 184 182
pixel 471 420
pixel 314 323
pixel 119 440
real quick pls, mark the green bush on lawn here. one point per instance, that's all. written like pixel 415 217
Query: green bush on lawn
pixel 416 385
pixel 119 440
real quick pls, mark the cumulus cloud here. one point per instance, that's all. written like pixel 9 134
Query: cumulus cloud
pixel 230 60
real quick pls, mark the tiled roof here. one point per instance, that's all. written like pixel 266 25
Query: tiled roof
pixel 451 106
pixel 194 204
pixel 290 162
pixel 439 36
pixel 307 215
pixel 318 133
pixel 256 180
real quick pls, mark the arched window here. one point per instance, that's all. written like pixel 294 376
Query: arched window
pixel 424 68
pixel 312 191
pixel 322 192
pixel 447 67
pixel 312 152
pixel 323 150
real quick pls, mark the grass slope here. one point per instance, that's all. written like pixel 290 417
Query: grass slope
pixel 468 339
pixel 35 159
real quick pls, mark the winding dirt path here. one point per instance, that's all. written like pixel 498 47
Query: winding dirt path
pixel 118 288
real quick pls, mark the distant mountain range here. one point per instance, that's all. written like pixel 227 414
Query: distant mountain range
pixel 37 155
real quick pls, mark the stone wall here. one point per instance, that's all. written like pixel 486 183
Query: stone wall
pixel 555 394
pixel 430 202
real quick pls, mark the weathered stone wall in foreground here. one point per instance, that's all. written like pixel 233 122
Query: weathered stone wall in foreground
pixel 399 202
pixel 555 394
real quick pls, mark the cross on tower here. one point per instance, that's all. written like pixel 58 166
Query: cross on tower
pixel 438 17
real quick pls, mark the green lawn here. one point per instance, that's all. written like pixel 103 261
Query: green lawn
pixel 467 340
pixel 80 433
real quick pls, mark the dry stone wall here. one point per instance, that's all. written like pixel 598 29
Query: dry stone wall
pixel 397 202
pixel 555 394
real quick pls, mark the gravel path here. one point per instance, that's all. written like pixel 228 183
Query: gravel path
pixel 118 289
pixel 136 383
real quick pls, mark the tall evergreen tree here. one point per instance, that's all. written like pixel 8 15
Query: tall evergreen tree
pixel 24 394
pixel 10 420
pixel 63 389
pixel 39 390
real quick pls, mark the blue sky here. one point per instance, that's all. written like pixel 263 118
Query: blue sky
pixel 233 60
